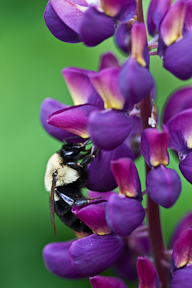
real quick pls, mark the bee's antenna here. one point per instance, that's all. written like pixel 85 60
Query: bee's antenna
pixel 87 142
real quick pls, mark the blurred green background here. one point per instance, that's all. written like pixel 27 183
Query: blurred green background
pixel 31 60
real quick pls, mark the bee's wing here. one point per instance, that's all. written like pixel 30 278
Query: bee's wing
pixel 51 204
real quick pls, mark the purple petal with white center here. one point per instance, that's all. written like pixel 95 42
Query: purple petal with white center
pixel 106 282
pixel 178 101
pixel 131 74
pixel 134 138
pixel 104 195
pixel 57 260
pixel 182 251
pixel 102 25
pixel 58 28
pixel 154 144
pixel 124 215
pixel 70 12
pixel 148 276
pixel 128 10
pixel 156 12
pixel 177 58
pixel 48 107
pixel 108 60
pixel 185 167
pixel 139 43
pixel 94 254
pixel 188 17
pixel 78 83
pixel 182 278
pixel 100 175
pixel 103 125
pixel 93 215
pixel 185 222
pixel 172 23
pixel 163 186
pixel 106 84
pixel 127 177
pixel 123 37
pixel 180 131
pixel 73 119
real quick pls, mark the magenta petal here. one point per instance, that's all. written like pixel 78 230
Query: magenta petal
pixel 188 16
pixel 182 278
pixel 93 254
pixel 108 60
pixel 102 25
pixel 58 28
pixel 70 12
pixel 48 107
pixel 93 215
pixel 103 125
pixel 148 276
pixel 57 260
pixel 185 167
pixel 180 131
pixel 182 251
pixel 100 175
pixel 178 101
pixel 163 186
pixel 177 58
pixel 131 74
pixel 154 144
pixel 124 215
pixel 184 223
pixel 106 282
pixel 127 177
pixel 73 119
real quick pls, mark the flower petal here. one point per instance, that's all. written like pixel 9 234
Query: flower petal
pixel 57 260
pixel 163 186
pixel 123 37
pixel 127 177
pixel 185 167
pixel 182 278
pixel 49 106
pixel 100 175
pixel 148 276
pixel 182 251
pixel 108 60
pixel 103 125
pixel 106 84
pixel 73 119
pixel 102 25
pixel 178 101
pixel 103 195
pixel 106 282
pixel 114 7
pixel 177 58
pixel 124 215
pixel 58 28
pixel 180 131
pixel 93 254
pixel 70 12
pixel 128 10
pixel 93 215
pixel 131 74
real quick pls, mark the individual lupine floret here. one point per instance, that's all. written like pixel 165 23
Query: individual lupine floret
pixel 135 69
pixel 148 276
pixel 74 21
pixel 180 140
pixel 106 282
pixel 176 38
pixel 162 184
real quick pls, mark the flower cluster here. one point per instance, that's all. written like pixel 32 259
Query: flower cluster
pixel 115 108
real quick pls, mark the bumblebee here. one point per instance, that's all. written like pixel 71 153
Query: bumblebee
pixel 65 177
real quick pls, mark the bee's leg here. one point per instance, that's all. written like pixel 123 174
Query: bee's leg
pixel 70 201
pixel 90 158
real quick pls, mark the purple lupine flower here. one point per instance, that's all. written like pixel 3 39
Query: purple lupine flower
pixel 74 21
pixel 182 278
pixel 106 282
pixel 162 184
pixel 176 38
pixel 180 140
pixel 148 276
pixel 135 69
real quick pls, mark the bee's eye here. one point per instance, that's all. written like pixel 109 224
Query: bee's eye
pixel 55 174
